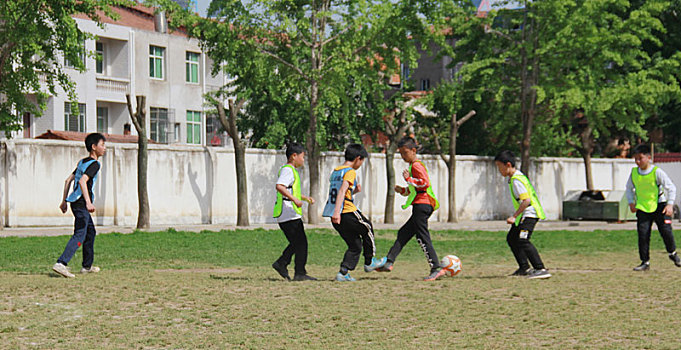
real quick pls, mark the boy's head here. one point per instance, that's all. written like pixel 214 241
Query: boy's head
pixel 356 154
pixel 295 154
pixel 505 162
pixel 642 156
pixel 407 147
pixel 95 142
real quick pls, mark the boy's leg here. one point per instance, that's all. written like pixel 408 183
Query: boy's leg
pixel 348 232
pixel 405 233
pixel 664 225
pixel 644 223
pixel 421 214
pixel 512 238
pixel 289 231
pixel 526 228
pixel 367 233
pixel 300 247
pixel 80 224
pixel 89 244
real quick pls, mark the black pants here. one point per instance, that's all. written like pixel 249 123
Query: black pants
pixel 83 234
pixel 297 244
pixel 644 224
pixel 518 239
pixel 357 232
pixel 416 225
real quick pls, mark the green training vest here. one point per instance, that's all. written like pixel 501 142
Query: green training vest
pixel 647 191
pixel 534 199
pixel 295 191
pixel 413 192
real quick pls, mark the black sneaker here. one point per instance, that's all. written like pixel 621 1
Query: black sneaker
pixel 539 274
pixel 283 272
pixel 645 266
pixel 521 272
pixel 299 278
pixel 675 258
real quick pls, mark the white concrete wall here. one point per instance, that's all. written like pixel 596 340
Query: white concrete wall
pixel 194 184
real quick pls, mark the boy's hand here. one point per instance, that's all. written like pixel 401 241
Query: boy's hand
pixel 335 218
pixel 399 189
pixel 90 207
pixel 632 207
pixel 510 220
pixel 358 188
pixel 298 202
pixel 668 210
pixel 405 174
pixel 63 207
pixel 309 200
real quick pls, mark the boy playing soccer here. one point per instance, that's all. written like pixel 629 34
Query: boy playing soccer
pixel 422 199
pixel 651 195
pixel 288 212
pixel 81 200
pixel 527 213
pixel 355 229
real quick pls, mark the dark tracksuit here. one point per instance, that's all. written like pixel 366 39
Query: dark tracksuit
pixel 417 225
pixel 358 233
pixel 518 239
pixel 295 234
pixel 644 224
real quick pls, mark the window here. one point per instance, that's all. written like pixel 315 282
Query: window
pixel 405 72
pixel 102 119
pixel 159 124
pixel 194 127
pixel 425 84
pixel 192 67
pixel 81 56
pixel 100 60
pixel 156 61
pixel 74 120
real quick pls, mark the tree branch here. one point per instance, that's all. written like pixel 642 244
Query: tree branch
pixel 438 148
pixel 133 116
pixel 465 118
pixel 288 64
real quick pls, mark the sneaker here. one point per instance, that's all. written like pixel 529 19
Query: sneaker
pixel 645 266
pixel 299 278
pixel 539 274
pixel 387 267
pixel 375 264
pixel 344 278
pixel 92 269
pixel 675 258
pixel 435 275
pixel 521 272
pixel 62 270
pixel 283 272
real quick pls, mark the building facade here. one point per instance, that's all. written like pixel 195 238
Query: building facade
pixel 136 54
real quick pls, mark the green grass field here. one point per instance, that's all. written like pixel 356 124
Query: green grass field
pixel 183 290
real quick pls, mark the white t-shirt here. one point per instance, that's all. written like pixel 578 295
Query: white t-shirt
pixel 518 189
pixel 287 178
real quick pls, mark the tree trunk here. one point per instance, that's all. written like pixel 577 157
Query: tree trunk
pixel 239 156
pixel 139 119
pixel 528 92
pixel 389 213
pixel 314 156
pixel 451 170
pixel 587 167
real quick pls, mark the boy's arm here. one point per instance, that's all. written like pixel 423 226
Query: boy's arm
pixel 521 208
pixel 631 197
pixel 86 194
pixel 67 186
pixel 670 190
pixel 419 176
pixel 524 198
pixel 287 194
pixel 340 200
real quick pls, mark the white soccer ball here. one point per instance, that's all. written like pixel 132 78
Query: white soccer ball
pixel 451 264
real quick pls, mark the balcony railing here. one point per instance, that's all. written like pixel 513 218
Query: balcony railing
pixel 115 85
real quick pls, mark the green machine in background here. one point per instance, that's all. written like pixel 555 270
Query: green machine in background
pixel 597 205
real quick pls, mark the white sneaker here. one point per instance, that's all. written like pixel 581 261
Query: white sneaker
pixel 92 269
pixel 62 270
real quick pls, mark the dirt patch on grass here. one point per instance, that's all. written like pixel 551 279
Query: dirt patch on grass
pixel 200 270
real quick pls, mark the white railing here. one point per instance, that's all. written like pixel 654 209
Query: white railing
pixel 113 84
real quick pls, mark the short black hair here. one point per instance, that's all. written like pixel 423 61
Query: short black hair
pixel 294 148
pixel 622 141
pixel 93 139
pixel 407 142
pixel 642 149
pixel 505 156
pixel 354 150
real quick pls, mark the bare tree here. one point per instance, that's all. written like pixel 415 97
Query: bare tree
pixel 139 119
pixel 396 125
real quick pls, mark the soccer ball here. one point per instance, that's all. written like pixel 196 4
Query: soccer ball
pixel 451 264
